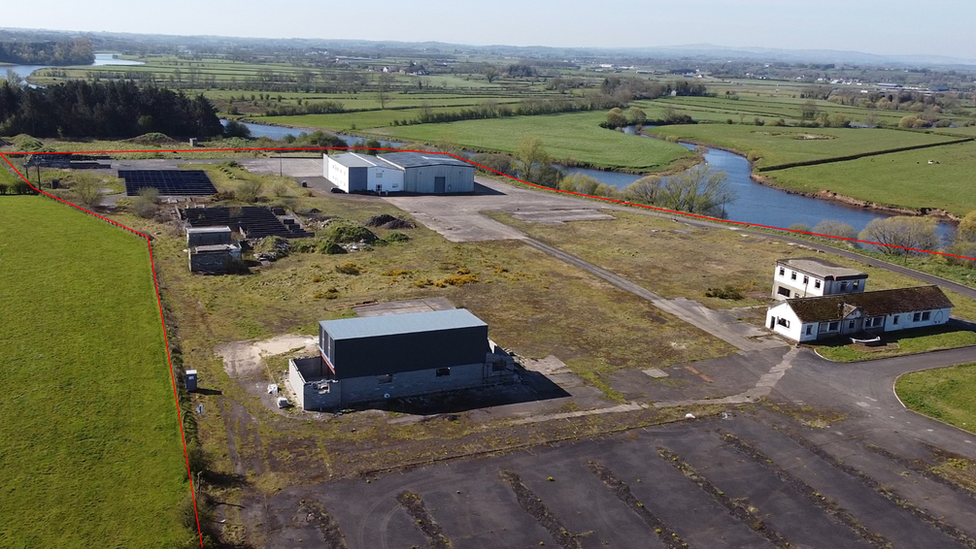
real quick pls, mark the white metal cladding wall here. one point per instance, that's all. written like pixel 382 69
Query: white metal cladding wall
pixel 457 179
pixel 391 179
pixel 337 174
pixel 297 383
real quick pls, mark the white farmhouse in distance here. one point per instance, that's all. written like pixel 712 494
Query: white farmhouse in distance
pixel 813 277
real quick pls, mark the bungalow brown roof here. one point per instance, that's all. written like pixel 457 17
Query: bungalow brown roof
pixel 879 303
pixel 821 268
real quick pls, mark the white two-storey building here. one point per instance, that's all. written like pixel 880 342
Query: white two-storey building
pixel 813 277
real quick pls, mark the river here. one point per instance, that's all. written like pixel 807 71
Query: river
pixel 101 59
pixel 756 204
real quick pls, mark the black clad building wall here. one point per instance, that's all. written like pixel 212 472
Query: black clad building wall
pixel 409 352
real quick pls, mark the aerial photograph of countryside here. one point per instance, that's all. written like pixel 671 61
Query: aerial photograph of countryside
pixel 467 275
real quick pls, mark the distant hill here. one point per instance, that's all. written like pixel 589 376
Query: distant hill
pixel 700 52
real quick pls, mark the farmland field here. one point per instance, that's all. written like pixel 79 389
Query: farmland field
pixel 91 453
pixel 779 145
pixel 946 394
pixel 945 184
pixel 575 136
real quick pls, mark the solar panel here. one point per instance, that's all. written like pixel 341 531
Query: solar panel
pixel 251 221
pixel 168 182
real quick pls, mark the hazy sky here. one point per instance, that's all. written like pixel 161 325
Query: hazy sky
pixel 937 27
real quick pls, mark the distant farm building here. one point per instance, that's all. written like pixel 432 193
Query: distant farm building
pixel 811 276
pixel 252 222
pixel 168 182
pixel 212 250
pixel 422 173
pixel 376 358
pixel 867 313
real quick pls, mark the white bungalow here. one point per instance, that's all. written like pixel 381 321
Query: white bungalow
pixel 811 276
pixel 813 318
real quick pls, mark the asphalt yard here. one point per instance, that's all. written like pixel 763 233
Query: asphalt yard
pixel 754 479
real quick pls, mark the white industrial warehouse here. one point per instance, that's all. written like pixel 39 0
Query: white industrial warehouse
pixel 410 172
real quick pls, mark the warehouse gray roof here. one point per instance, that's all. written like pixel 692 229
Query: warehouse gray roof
pixel 409 323
pixel 353 160
pixel 822 268
pixel 418 160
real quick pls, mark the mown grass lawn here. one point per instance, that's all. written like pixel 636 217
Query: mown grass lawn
pixel 900 179
pixel 909 342
pixel 946 394
pixel 568 136
pixel 91 453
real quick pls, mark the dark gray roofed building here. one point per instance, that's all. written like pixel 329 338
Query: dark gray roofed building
pixel 400 355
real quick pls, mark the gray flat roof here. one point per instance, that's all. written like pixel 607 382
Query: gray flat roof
pixel 417 160
pixel 822 268
pixel 408 323
pixel 354 160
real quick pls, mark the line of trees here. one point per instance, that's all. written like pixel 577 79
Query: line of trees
pixel 109 110
pixel 65 52
pixel 491 109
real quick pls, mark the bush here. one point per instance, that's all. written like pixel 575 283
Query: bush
pixel 801 227
pixel 331 293
pixel 348 268
pixel 249 190
pixel 835 228
pixel 22 187
pixel 726 292
pixel 330 247
pixel 392 238
pixel 144 205
pixel 345 232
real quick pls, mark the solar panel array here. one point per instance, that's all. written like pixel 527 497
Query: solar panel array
pixel 251 221
pixel 169 182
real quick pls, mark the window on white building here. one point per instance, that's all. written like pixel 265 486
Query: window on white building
pixel 782 291
pixel 816 283
pixel 783 322
pixel 792 275
pixel 806 280
pixel 782 271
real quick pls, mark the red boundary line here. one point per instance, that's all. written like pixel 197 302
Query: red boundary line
pixel 156 281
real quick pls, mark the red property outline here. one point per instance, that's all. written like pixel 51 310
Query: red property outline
pixel 156 280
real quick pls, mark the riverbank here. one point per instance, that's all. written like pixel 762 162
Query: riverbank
pixel 825 194
pixel 832 196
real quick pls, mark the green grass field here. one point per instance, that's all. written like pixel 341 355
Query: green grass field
pixel 909 342
pixel 574 136
pixel 779 145
pixel 946 185
pixel 91 446
pixel 947 394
